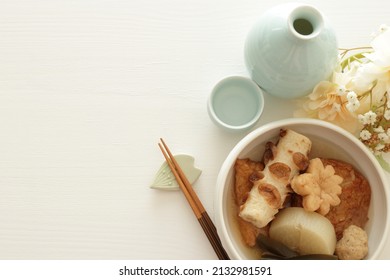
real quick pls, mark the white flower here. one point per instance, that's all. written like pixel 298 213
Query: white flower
pixel 353 101
pixel 376 73
pixel 352 107
pixel 341 90
pixel 351 96
pixel 325 104
pixel 383 136
pixel 379 129
pixel 371 117
pixel 368 118
pixel 365 134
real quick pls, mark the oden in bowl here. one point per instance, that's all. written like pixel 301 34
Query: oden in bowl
pixel 328 141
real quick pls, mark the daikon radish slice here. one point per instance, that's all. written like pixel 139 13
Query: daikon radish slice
pixel 304 232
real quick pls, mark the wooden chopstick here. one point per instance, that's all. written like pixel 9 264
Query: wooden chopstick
pixel 195 203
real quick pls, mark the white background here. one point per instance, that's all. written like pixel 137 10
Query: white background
pixel 88 87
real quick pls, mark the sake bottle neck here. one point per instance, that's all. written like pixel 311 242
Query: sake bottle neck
pixel 305 22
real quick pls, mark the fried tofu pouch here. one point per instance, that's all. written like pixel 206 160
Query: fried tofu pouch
pixel 355 198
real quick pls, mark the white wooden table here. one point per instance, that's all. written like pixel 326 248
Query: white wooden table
pixel 86 90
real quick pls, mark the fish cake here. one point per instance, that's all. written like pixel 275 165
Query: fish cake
pixel 246 171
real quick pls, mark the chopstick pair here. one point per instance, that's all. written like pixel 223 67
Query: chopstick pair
pixel 196 205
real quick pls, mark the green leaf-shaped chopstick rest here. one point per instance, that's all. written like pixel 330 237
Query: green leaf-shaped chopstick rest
pixel 165 180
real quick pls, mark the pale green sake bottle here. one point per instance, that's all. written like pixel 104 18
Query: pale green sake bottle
pixel 290 49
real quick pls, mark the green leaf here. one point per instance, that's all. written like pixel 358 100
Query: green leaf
pixel 356 57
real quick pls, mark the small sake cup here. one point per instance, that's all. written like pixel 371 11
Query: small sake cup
pixel 235 103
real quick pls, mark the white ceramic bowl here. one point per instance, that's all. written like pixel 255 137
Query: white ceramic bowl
pixel 328 141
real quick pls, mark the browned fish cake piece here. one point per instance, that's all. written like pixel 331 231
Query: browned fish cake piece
pixel 355 198
pixel 246 172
